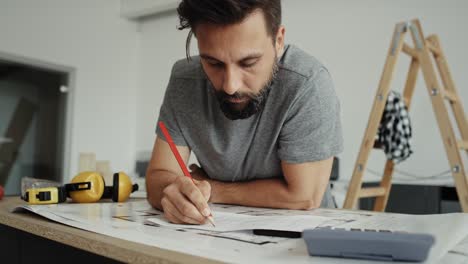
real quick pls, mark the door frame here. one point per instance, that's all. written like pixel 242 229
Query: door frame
pixel 70 73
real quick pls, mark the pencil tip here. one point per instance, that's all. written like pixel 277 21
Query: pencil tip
pixel 210 218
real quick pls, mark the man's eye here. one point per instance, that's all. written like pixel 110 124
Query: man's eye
pixel 248 64
pixel 215 64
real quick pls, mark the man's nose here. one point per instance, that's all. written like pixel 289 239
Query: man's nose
pixel 232 81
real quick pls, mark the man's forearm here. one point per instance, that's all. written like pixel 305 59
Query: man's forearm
pixel 156 181
pixel 273 193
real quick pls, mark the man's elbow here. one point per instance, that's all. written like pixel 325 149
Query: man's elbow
pixel 153 200
pixel 304 205
pixel 152 190
pixel 298 201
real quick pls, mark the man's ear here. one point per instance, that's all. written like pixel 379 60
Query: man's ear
pixel 279 43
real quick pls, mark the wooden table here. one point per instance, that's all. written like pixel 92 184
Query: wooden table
pixel 29 238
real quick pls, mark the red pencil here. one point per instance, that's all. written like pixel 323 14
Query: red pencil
pixel 179 158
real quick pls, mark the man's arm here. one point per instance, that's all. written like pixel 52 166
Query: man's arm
pixel 303 187
pixel 182 200
pixel 162 170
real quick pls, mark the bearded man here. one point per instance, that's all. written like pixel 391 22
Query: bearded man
pixel 262 117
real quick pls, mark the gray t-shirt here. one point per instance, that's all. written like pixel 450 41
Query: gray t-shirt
pixel 299 123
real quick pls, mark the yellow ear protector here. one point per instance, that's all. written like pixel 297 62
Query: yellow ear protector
pixel 121 188
pixel 86 187
pixel 89 187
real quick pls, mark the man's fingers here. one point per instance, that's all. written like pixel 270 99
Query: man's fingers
pixel 193 193
pixel 186 206
pixel 171 218
pixel 205 189
pixel 174 194
pixel 174 215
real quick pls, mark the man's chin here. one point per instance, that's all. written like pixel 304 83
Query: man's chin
pixel 239 107
pixel 236 116
pixel 237 111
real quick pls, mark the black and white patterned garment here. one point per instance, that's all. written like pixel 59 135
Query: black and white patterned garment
pixel 394 132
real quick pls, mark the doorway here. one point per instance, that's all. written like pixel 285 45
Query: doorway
pixel 33 107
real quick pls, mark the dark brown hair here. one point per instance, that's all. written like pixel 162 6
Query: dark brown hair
pixel 226 12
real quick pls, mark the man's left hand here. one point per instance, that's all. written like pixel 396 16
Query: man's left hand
pixel 198 173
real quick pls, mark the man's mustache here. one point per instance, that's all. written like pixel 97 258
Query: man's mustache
pixel 236 96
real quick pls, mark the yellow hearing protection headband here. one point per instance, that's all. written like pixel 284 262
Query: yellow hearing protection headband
pixel 77 191
pixel 121 188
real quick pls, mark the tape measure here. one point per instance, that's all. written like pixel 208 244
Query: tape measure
pixel 48 195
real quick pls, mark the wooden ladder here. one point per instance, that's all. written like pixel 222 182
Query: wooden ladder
pixel 421 53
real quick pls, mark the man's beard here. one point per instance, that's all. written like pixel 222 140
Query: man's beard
pixel 255 103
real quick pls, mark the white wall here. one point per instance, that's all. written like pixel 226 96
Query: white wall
pixel 351 38
pixel 91 37
pixel 135 9
pixel 160 45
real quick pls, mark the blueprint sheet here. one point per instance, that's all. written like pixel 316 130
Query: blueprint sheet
pixel 129 221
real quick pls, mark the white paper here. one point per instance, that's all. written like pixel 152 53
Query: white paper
pixel 126 221
pixel 461 249
pixel 235 222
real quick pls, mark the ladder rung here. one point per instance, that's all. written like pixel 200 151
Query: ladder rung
pixel 450 96
pixel 463 144
pixel 410 51
pixel 372 192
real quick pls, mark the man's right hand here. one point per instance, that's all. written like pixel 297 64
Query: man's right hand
pixel 186 202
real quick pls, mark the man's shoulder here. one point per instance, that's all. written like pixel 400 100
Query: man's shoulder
pixel 300 63
pixel 188 69
pixel 302 77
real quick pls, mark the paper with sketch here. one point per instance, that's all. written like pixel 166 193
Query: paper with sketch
pixel 235 222
pixel 461 249
pixel 128 221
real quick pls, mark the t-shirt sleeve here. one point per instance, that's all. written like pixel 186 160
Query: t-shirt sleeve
pixel 170 113
pixel 312 129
